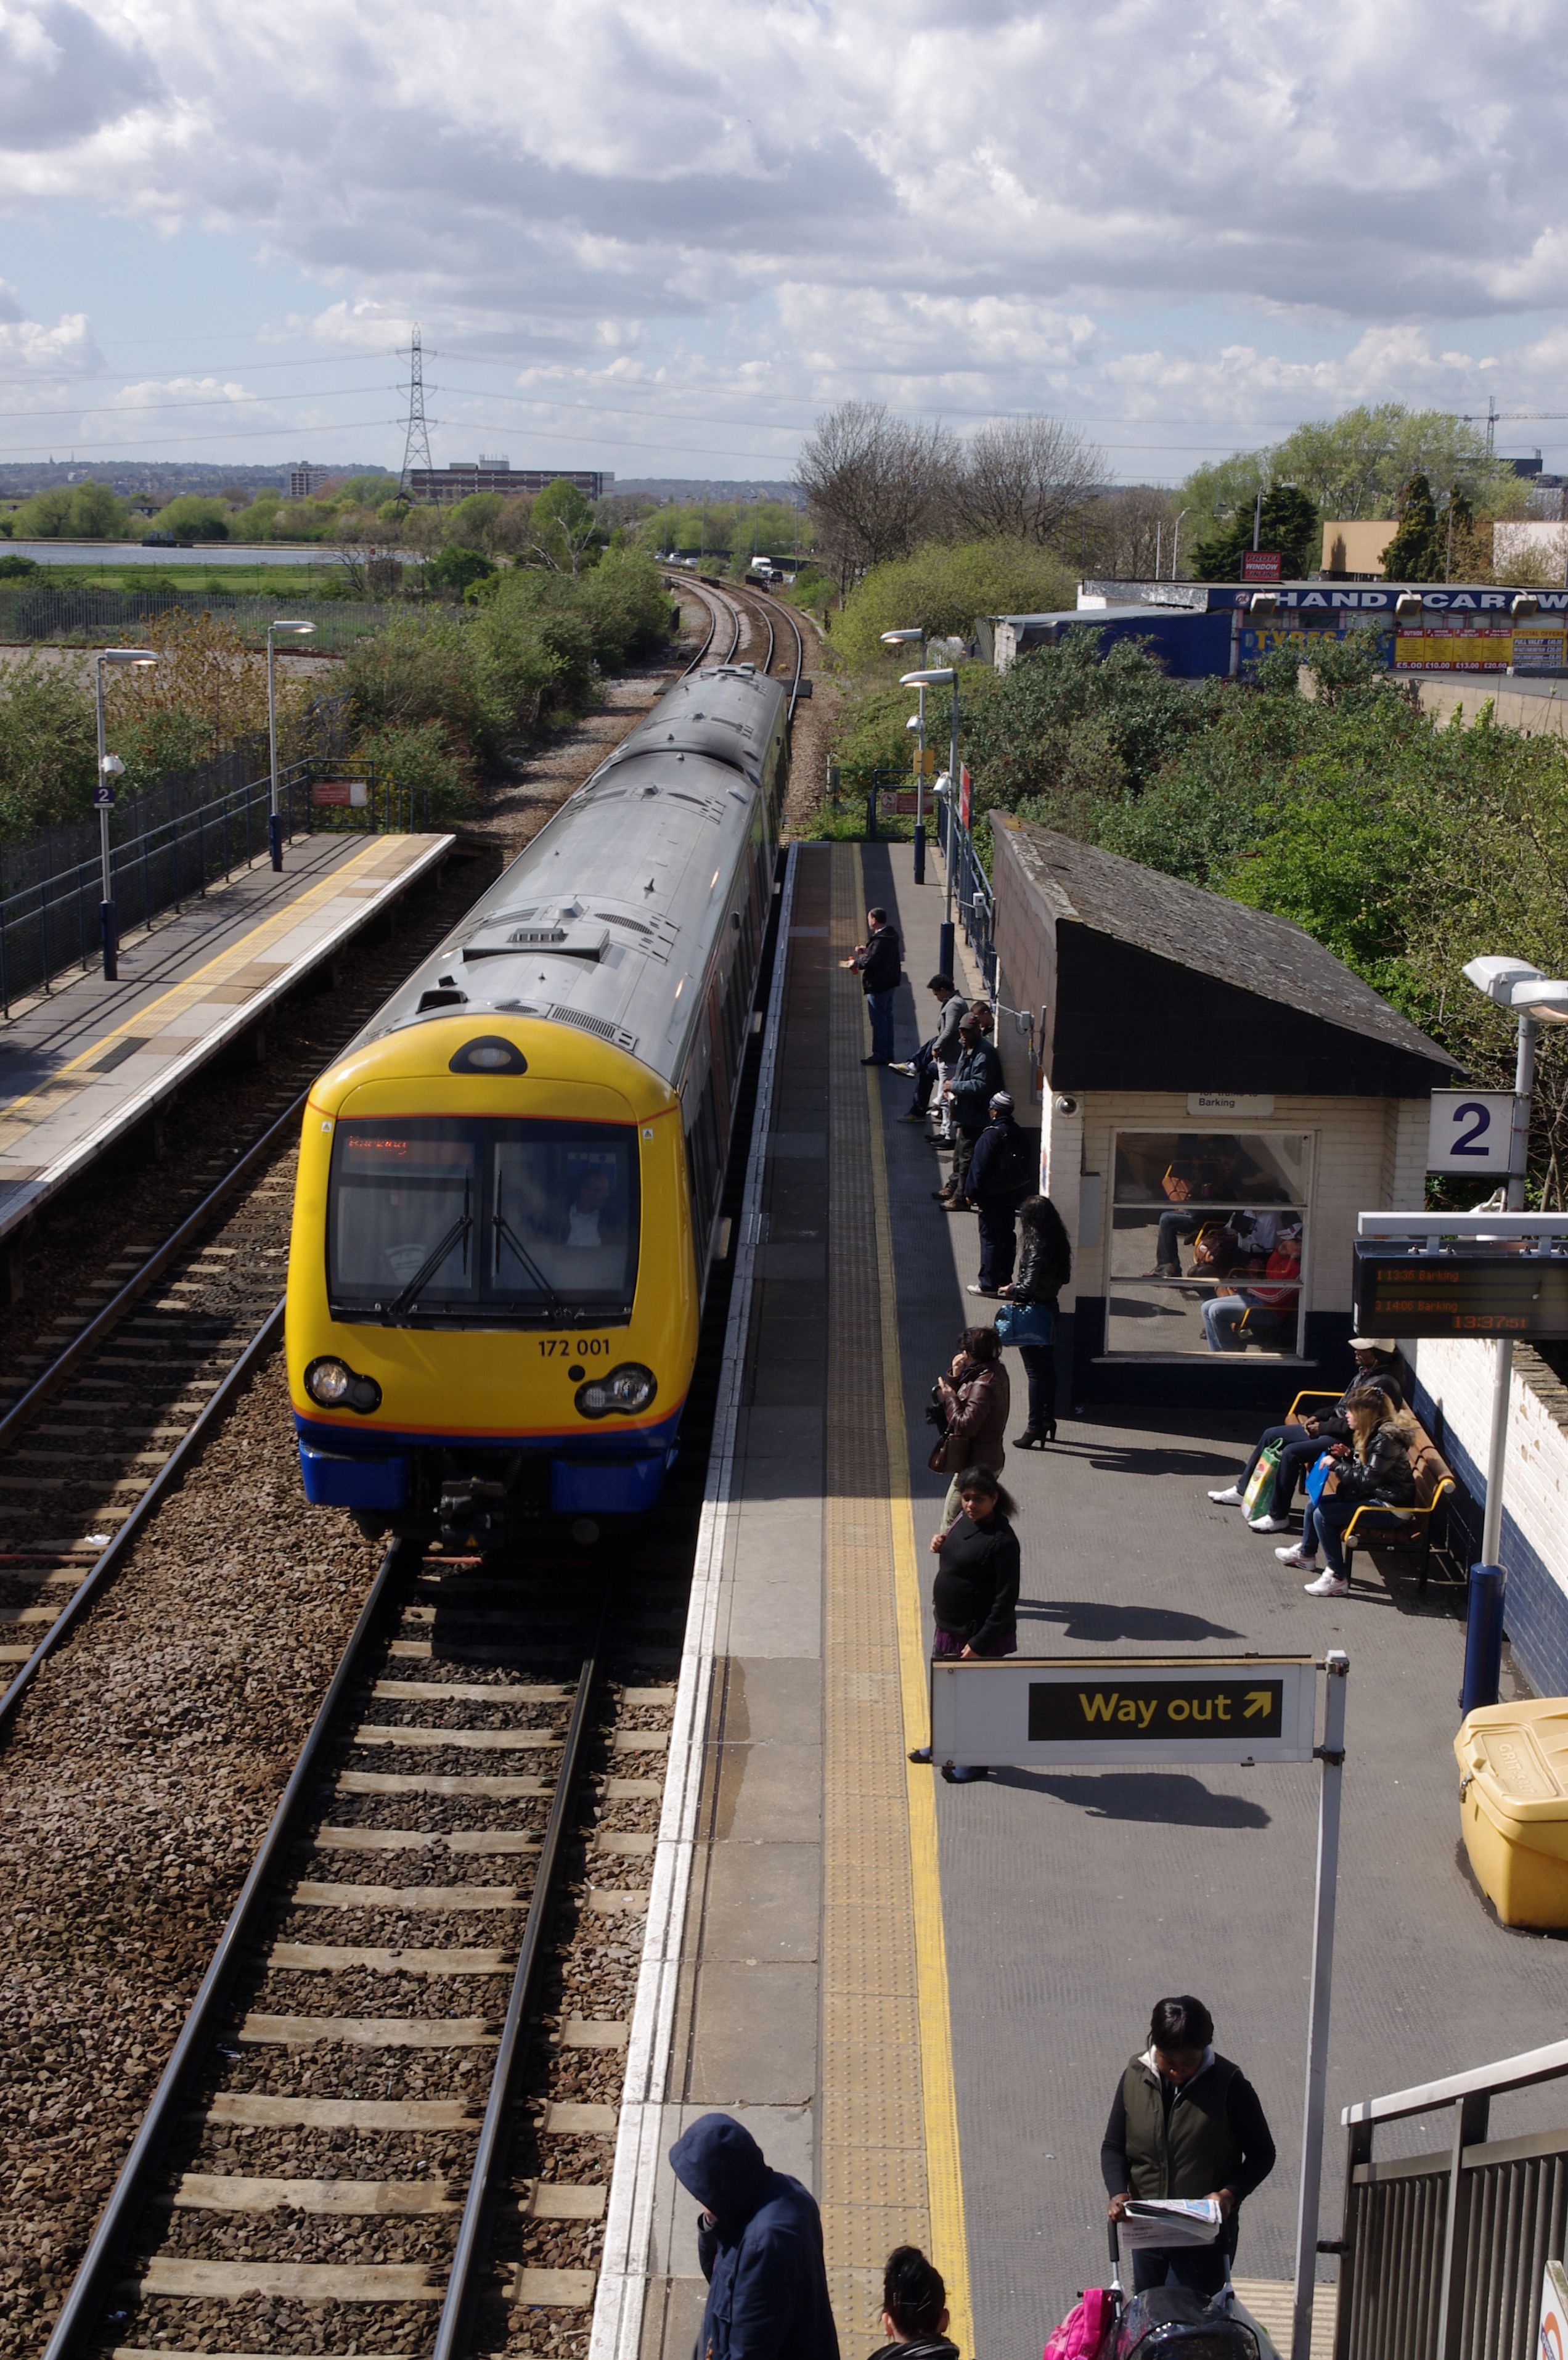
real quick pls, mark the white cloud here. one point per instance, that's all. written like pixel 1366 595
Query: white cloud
pixel 957 207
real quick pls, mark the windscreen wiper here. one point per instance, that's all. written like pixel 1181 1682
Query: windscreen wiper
pixel 428 1268
pixel 504 1229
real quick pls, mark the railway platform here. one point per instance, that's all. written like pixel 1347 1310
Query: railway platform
pixel 919 1996
pixel 83 1064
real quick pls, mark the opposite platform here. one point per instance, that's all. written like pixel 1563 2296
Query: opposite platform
pixel 81 1064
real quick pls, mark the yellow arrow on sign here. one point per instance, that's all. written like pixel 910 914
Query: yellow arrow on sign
pixel 1257 1700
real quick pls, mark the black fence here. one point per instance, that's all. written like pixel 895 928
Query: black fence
pixel 51 925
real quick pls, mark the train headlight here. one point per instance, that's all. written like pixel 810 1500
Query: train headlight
pixel 335 1386
pixel 625 1390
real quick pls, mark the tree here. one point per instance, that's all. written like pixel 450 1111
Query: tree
pixel 1418 550
pixel 1288 523
pixel 563 528
pixel 944 589
pixel 472 522
pixel 1021 478
pixel 876 485
pixel 46 517
pixel 455 567
pixel 1351 465
pixel 193 516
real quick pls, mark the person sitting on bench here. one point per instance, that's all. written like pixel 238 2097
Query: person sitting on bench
pixel 1302 1438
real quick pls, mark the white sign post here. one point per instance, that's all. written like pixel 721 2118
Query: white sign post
pixel 1470 1131
pixel 1098 1710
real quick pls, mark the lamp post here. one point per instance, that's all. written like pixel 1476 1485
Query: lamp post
pixel 944 676
pixel 111 768
pixel 1175 537
pixel 905 640
pixel 274 817
pixel 1535 1000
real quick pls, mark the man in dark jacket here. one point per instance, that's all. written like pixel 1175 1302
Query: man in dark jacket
pixel 975 1084
pixel 1003 1171
pixel 879 960
pixel 759 2241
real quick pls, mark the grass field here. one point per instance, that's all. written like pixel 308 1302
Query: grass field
pixel 244 581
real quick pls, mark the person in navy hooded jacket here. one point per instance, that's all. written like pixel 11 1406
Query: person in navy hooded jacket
pixel 759 2240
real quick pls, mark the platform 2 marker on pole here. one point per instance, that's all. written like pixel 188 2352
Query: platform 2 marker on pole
pixel 1098 1711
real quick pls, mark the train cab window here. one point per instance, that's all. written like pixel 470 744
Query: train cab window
pixel 477 1221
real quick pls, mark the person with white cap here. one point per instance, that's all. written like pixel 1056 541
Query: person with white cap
pixel 1303 1439
pixel 1002 1172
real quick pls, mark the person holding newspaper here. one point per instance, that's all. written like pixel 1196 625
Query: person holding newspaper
pixel 1185 2124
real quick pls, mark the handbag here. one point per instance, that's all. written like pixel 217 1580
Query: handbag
pixel 1257 1500
pixel 1025 1323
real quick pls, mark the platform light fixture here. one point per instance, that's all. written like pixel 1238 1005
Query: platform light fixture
pixel 274 817
pixel 111 768
pixel 944 676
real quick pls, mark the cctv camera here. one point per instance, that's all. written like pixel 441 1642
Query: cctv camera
pixel 1065 1105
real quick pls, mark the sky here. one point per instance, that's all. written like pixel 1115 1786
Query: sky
pixel 662 242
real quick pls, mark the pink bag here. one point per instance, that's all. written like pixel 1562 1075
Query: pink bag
pixel 1085 2331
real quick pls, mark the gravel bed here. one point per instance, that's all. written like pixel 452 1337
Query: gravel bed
pixel 138 1781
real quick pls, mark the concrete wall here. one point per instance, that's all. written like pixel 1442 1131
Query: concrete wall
pixel 1453 1401
pixel 1538 712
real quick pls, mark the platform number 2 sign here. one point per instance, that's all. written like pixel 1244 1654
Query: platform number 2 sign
pixel 1469 1131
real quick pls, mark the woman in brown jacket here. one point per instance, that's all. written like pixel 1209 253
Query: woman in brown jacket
pixel 977 1398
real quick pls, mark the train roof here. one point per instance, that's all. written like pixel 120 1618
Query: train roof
pixel 606 920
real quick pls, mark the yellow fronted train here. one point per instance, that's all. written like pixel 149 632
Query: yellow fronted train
pixel 509 1182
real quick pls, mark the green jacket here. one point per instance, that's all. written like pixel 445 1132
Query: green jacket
pixel 1194 2151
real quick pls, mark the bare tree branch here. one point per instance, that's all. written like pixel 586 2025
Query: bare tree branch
pixel 1021 478
pixel 876 485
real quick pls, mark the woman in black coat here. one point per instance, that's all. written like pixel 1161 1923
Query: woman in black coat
pixel 1045 1266
pixel 974 1598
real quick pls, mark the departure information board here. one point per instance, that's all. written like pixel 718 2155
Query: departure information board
pixel 1473 1290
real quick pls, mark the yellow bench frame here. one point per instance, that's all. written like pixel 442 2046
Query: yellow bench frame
pixel 1410 1519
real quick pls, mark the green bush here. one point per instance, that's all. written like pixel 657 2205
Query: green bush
pixel 456 566
pixel 49 746
pixel 627 605
pixel 421 668
pixel 193 516
pixel 872 733
pixel 1068 730
pixel 418 757
pixel 944 589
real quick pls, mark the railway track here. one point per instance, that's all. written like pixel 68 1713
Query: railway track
pixel 770 614
pixel 384 2100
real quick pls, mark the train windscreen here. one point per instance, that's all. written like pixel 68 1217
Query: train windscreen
pixel 471 1220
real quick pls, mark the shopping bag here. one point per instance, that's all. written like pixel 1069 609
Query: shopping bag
pixel 1318 1474
pixel 1259 1495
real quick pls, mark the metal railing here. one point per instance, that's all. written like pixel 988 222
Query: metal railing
pixel 52 925
pixel 1442 2254
pixel 972 894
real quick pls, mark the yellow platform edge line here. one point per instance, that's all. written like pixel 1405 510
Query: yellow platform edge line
pixel 323 890
pixel 944 2174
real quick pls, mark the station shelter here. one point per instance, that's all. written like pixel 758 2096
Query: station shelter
pixel 1215 1090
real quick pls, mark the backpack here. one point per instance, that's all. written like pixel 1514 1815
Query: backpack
pixel 1085 2331
pixel 1172 2322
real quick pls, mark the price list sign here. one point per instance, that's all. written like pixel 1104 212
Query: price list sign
pixel 1471 1291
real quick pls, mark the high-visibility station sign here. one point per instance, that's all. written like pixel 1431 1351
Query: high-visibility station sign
pixel 1103 1710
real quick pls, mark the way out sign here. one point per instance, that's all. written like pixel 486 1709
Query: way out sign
pixel 1096 1711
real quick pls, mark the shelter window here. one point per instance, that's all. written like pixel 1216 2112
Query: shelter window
pixel 1198 1217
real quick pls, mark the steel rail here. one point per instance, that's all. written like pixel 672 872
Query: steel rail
pixel 183 1455
pixel 79 2316
pixel 105 1321
pixel 472 2251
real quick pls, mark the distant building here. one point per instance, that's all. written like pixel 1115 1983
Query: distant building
pixel 1353 547
pixel 445 485
pixel 304 483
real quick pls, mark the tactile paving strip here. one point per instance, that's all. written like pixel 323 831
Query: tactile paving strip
pixel 873 2168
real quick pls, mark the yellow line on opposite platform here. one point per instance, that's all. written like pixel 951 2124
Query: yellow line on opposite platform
pixel 944 2175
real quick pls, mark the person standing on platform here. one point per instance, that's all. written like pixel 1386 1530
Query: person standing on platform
pixel 975 1084
pixel 879 961
pixel 1002 1171
pixel 975 1600
pixel 759 2241
pixel 1045 1266
pixel 1185 2122
pixel 914 2308
pixel 976 1397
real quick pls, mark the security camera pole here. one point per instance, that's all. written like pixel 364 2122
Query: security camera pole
pixel 111 768
pixel 944 676
pixel 904 639
pixel 274 817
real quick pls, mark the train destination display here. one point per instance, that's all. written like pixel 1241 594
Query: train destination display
pixel 1480 1290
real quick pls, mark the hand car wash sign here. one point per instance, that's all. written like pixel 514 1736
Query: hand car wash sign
pixel 1460 627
